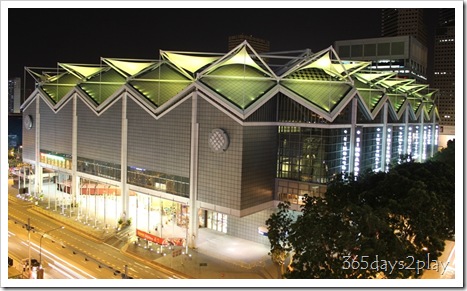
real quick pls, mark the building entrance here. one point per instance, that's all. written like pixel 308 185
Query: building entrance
pixel 216 221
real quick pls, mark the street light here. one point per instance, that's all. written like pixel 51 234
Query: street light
pixel 40 242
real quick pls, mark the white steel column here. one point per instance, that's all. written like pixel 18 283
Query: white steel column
pixel 37 148
pixel 406 131
pixel 193 207
pixel 74 153
pixel 434 140
pixel 384 139
pixel 123 161
pixel 421 135
pixel 353 124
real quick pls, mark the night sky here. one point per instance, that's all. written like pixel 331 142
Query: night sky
pixel 41 37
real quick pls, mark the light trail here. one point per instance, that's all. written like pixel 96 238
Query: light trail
pixel 60 262
pixel 52 266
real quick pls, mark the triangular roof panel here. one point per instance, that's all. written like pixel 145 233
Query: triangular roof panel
pixel 81 71
pixel 129 68
pixel 240 56
pixel 189 63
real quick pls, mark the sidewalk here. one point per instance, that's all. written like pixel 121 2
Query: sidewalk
pixel 217 256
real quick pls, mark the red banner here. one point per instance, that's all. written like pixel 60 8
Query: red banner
pixel 160 240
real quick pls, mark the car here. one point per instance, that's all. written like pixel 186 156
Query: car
pixel 34 263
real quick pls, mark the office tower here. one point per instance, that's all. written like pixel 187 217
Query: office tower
pixel 258 44
pixel 14 95
pixel 444 69
pixel 444 65
pixel 399 22
pixel 403 55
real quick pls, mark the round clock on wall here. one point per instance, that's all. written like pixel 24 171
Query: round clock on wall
pixel 28 122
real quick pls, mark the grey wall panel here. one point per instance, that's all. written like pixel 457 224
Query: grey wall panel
pixel 99 137
pixel 219 179
pixel 29 136
pixel 247 227
pixel 259 165
pixel 161 145
pixel 56 128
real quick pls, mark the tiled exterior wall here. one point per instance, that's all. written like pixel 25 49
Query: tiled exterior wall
pixel 247 227
pixel 29 136
pixel 161 145
pixel 56 128
pixel 259 165
pixel 220 173
pixel 99 137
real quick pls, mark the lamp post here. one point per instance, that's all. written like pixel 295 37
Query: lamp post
pixel 29 228
pixel 40 242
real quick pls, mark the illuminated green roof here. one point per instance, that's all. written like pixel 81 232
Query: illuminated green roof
pixel 336 68
pixel 415 103
pixel 240 56
pixel 103 85
pixel 160 84
pixel 324 95
pixel 241 80
pixel 60 86
pixel 371 97
pixel 396 100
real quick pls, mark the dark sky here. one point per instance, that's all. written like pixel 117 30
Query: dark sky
pixel 41 37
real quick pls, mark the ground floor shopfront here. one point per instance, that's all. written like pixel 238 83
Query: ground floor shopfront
pixel 152 218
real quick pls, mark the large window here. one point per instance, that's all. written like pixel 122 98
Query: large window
pixel 159 181
pixel 99 168
pixel 372 141
pixel 311 154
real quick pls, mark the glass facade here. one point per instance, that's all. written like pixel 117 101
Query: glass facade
pixel 99 168
pixel 172 184
pixel 371 150
pixel 311 154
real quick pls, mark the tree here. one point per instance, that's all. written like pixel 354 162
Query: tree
pixel 447 155
pixel 399 216
pixel 278 227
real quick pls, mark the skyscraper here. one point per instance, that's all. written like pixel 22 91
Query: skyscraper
pixel 409 21
pixel 444 68
pixel 258 44
pixel 14 95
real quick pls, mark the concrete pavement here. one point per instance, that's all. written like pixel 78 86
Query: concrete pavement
pixel 217 256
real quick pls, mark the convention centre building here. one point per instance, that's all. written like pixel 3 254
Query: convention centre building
pixel 194 140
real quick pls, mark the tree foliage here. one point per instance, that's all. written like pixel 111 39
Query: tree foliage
pixel 279 225
pixel 400 216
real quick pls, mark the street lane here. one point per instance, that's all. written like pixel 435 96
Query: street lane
pixel 76 247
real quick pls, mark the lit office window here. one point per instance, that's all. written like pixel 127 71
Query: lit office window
pixel 416 142
pixel 378 150
pixel 424 142
pixel 409 141
pixel 345 151
pixel 400 142
pixel 388 148
pixel 357 152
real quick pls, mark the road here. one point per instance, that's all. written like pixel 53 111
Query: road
pixel 68 249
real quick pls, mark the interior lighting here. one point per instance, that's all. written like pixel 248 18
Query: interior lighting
pixel 344 151
pixel 357 154
pixel 388 149
pixel 50 156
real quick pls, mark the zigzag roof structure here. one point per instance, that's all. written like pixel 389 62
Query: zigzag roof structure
pixel 241 80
